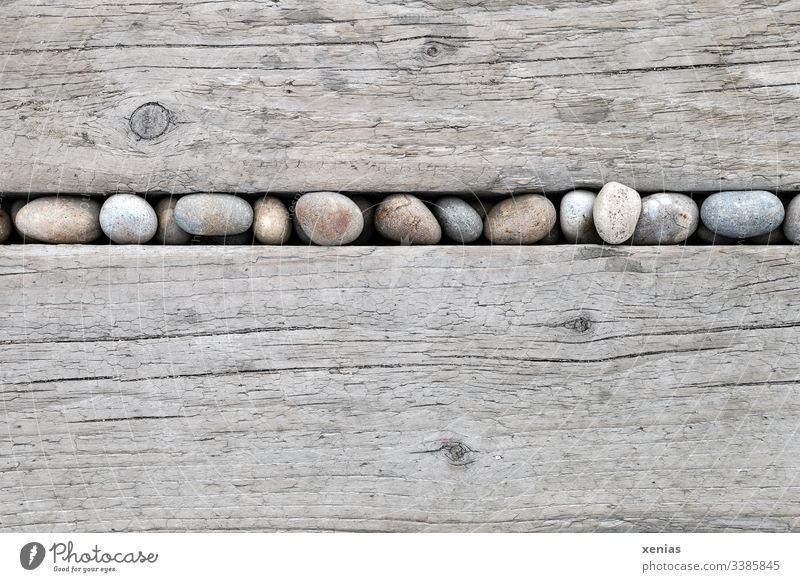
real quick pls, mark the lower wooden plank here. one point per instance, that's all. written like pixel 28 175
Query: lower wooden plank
pixel 401 389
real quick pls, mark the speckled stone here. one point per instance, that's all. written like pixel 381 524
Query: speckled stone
pixel 616 212
pixel 60 220
pixel 272 224
pixel 459 221
pixel 128 219
pixel 666 219
pixel 711 238
pixel 554 237
pixel 791 223
pixel 15 208
pixel 576 217
pixel 406 219
pixel 329 218
pixel 6 228
pixel 776 237
pixel 213 214
pixel 525 219
pixel 742 214
pixel 168 231
pixel 367 207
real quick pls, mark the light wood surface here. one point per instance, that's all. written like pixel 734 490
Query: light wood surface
pixel 402 389
pixel 389 95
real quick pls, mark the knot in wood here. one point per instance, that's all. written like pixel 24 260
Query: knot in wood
pixel 579 324
pixel 150 120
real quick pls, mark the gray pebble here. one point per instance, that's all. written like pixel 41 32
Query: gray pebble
pixel 459 221
pixel 128 219
pixel 60 220
pixel 577 219
pixel 367 207
pixel 272 224
pixel 525 219
pixel 213 214
pixel 666 219
pixel 6 228
pixel 742 214
pixel 776 237
pixel 329 218
pixel 406 219
pixel 712 238
pixel 791 224
pixel 616 212
pixel 168 231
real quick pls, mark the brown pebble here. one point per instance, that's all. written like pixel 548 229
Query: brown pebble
pixel 329 218
pixel 523 220
pixel 168 231
pixel 60 220
pixel 272 224
pixel 405 219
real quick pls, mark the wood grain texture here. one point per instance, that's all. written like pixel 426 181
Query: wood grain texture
pixel 400 389
pixel 389 95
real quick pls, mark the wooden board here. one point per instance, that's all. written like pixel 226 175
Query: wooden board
pixel 390 95
pixel 403 389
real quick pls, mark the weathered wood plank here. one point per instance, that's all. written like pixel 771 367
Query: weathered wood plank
pixel 435 95
pixel 402 389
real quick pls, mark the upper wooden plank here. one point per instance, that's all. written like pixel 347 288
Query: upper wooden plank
pixel 433 95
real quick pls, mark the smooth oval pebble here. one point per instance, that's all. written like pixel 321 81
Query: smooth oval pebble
pixel 775 237
pixel 616 212
pixel 60 220
pixel 742 214
pixel 213 214
pixel 6 227
pixel 329 218
pixel 272 224
pixel 522 220
pixel 128 219
pixel 406 219
pixel 168 231
pixel 577 219
pixel 459 221
pixel 712 238
pixel 666 219
pixel 791 223
pixel 367 207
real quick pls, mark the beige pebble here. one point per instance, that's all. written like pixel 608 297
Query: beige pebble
pixel 329 218
pixel 616 212
pixel 272 224
pixel 168 231
pixel 60 220
pixel 213 214
pixel 524 219
pixel 406 219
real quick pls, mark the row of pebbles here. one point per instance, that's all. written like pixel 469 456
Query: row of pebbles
pixel 615 215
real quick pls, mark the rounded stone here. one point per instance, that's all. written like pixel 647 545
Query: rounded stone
pixel 742 214
pixel 168 231
pixel 522 220
pixel 272 224
pixel 616 212
pixel 213 214
pixel 367 207
pixel 712 238
pixel 128 219
pixel 577 219
pixel 459 221
pixel 666 219
pixel 553 237
pixel 406 219
pixel 60 220
pixel 329 218
pixel 150 120
pixel 791 223
pixel 6 228
pixel 776 237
